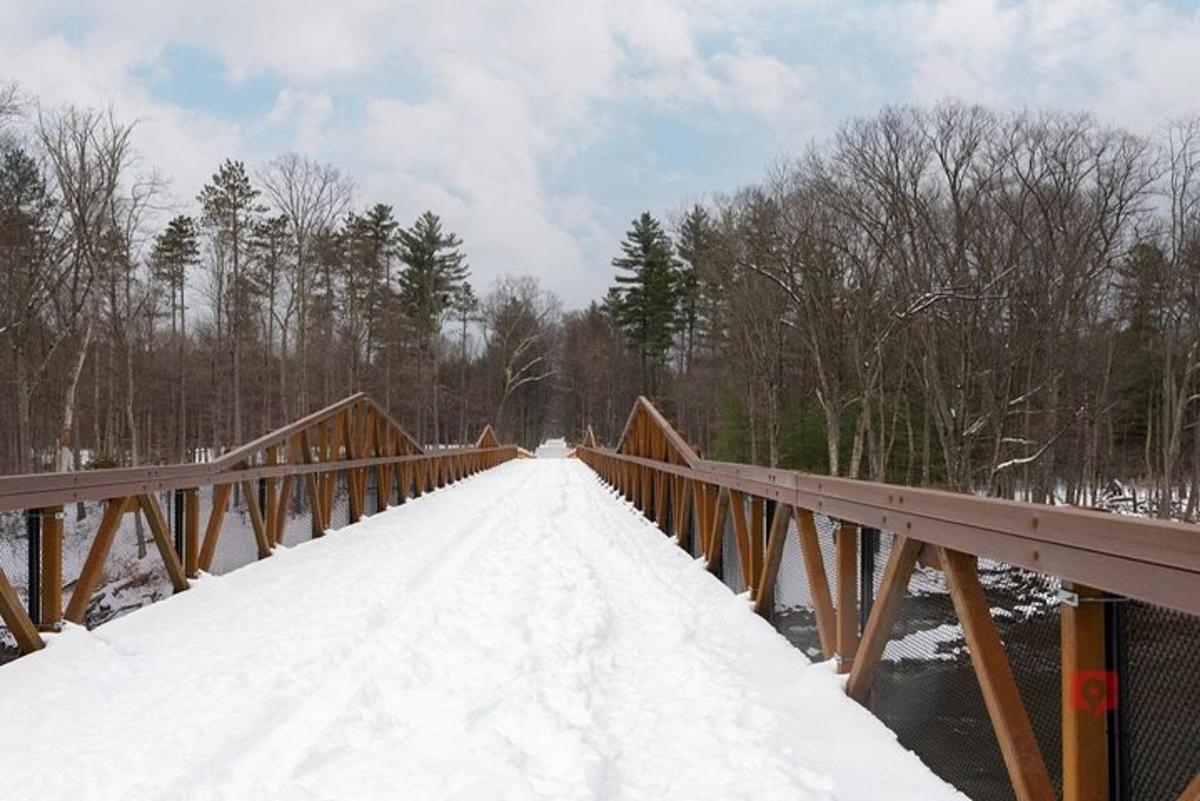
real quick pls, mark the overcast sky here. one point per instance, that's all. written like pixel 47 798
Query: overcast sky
pixel 538 130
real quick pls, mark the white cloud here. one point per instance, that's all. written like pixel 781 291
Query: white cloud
pixel 1129 62
pixel 478 110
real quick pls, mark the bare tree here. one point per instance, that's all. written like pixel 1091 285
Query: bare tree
pixel 90 153
pixel 311 196
pixel 517 317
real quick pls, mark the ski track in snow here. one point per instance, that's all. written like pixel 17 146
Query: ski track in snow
pixel 523 635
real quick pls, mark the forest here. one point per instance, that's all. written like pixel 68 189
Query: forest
pixel 987 301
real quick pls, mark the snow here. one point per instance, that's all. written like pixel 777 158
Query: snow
pixel 523 635
pixel 552 449
pixel 941 643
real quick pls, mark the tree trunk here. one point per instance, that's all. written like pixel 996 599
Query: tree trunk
pixel 63 445
pixel 24 385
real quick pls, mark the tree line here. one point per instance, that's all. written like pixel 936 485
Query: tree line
pixel 129 339
pixel 949 296
pixel 946 296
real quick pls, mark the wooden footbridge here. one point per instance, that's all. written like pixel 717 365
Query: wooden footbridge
pixel 1122 698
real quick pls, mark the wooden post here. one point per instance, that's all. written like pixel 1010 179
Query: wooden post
pixel 191 532
pixel 353 477
pixel 272 510
pixel 52 575
pixel 1085 747
pixel 847 600
pixel 1022 757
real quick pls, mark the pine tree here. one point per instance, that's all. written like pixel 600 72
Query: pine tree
pixel 377 243
pixel 643 304
pixel 230 207
pixel 176 250
pixel 697 237
pixel 465 304
pixel 434 268
pixel 272 252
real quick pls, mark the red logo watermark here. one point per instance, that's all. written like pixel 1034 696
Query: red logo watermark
pixel 1094 691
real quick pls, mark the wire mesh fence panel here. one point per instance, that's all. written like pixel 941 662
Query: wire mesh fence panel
pixel 339 510
pixel 393 489
pixel 1159 701
pixel 927 693
pixel 1025 608
pixel 697 545
pixel 731 563
pixel 927 690
pixel 237 546
pixel 132 574
pixel 297 517
pixel 14 560
pixel 794 615
pixel 371 500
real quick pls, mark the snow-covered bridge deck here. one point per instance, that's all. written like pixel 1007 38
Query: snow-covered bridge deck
pixel 524 634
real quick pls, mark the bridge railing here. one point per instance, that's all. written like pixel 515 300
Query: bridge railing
pixel 334 467
pixel 1074 633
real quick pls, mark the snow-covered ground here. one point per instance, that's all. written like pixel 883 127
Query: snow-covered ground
pixel 522 635
pixel 553 449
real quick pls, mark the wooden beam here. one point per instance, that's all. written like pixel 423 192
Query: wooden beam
pixel 405 479
pixel 1084 741
pixel 272 510
pixel 89 576
pixel 741 534
pixel 216 517
pixel 716 535
pixel 352 476
pixel 1022 757
pixel 847 596
pixel 52 570
pixel 764 600
pixel 163 540
pixel 687 513
pixel 700 504
pixel 334 455
pixel 191 532
pixel 884 612
pixel 383 475
pixel 818 582
pixel 660 500
pixel 17 619
pixel 757 541
pixel 312 485
pixel 256 519
pixel 281 508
